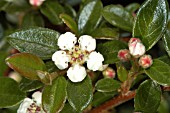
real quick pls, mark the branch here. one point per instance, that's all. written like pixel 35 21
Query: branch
pixel 114 102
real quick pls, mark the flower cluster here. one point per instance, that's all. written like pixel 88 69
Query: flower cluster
pixel 36 3
pixel 137 50
pixel 31 105
pixel 77 54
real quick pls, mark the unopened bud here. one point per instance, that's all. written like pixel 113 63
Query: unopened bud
pixel 124 55
pixel 145 61
pixel 109 73
pixel 36 3
pixel 136 48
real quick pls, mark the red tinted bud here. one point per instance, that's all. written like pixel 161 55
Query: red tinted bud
pixel 134 40
pixel 109 73
pixel 124 55
pixel 145 61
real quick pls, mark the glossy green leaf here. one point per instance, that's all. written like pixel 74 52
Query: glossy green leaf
pixel 10 94
pixel 70 10
pixel 80 94
pixel 164 106
pixel 54 96
pixel 159 72
pixel 132 7
pixel 148 97
pixel 3 66
pixel 107 85
pixel 101 97
pixel 151 22
pixel 51 67
pixel 32 19
pixel 115 15
pixel 89 17
pixel 166 39
pixel 52 10
pixel 106 33
pixel 165 59
pixel 27 85
pixel 38 41
pixel 69 22
pixel 122 73
pixel 26 64
pixel 110 49
pixel 45 77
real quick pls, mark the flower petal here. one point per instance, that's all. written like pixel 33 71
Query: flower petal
pixel 67 41
pixel 76 73
pixel 87 43
pixel 94 61
pixel 37 96
pixel 25 105
pixel 61 59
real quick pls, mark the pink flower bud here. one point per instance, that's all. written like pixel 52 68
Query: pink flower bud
pixel 134 40
pixel 136 48
pixel 124 55
pixel 36 3
pixel 109 73
pixel 145 61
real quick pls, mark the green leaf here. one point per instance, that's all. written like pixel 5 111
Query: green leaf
pixel 110 49
pixel 132 7
pixel 26 64
pixel 159 72
pixel 80 94
pixel 52 10
pixel 38 41
pixel 148 97
pixel 107 85
pixel 151 22
pixel 122 73
pixel 51 67
pixel 166 39
pixel 54 96
pixel 118 16
pixel 27 85
pixel 70 23
pixel 10 94
pixel 165 59
pixel 68 109
pixel 89 17
pixel 101 97
pixel 164 106
pixel 32 19
pixel 3 67
pixel 1 32
pixel 106 33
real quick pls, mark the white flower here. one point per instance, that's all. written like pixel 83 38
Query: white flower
pixel 36 2
pixel 77 55
pixel 67 41
pixel 136 49
pixel 60 59
pixel 94 61
pixel 25 105
pixel 76 73
pixel 31 105
pixel 87 43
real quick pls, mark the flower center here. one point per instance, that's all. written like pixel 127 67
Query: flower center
pixel 78 55
pixel 33 108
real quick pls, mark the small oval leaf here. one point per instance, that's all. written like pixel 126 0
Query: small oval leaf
pixel 159 72
pixel 54 96
pixel 148 97
pixel 38 41
pixel 90 16
pixel 80 94
pixel 10 93
pixel 107 85
pixel 122 73
pixel 26 64
pixel 115 15
pixel 166 39
pixel 151 22
pixel 52 10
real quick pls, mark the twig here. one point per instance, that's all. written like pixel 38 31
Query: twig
pixel 114 102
